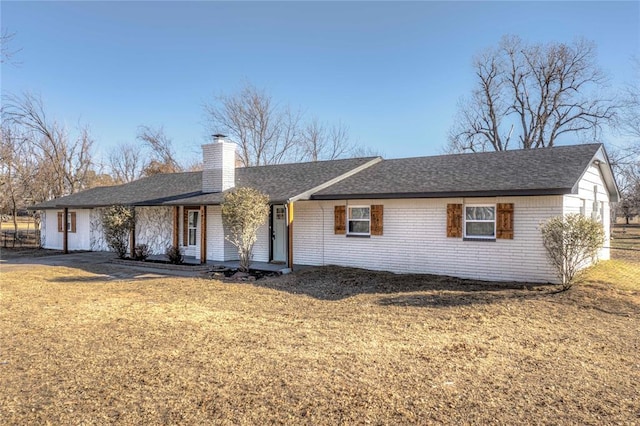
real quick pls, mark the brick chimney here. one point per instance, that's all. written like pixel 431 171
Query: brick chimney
pixel 219 165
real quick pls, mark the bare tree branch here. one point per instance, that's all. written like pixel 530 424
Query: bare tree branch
pixel 540 91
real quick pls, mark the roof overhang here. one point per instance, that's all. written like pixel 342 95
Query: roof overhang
pixel 446 194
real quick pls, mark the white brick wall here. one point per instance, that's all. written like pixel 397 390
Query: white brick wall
pixel 415 241
pixel 219 166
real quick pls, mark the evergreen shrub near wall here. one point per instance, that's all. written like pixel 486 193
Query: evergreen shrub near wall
pixel 118 222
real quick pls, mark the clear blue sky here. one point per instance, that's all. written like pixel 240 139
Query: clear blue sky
pixel 392 71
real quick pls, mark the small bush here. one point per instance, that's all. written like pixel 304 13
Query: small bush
pixel 243 211
pixel 141 252
pixel 572 241
pixel 118 222
pixel 174 254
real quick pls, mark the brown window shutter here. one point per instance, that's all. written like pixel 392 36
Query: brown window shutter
pixel 504 221
pixel 454 220
pixel 60 225
pixel 185 227
pixel 73 222
pixel 377 216
pixel 339 220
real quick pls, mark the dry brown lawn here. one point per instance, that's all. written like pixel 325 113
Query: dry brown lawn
pixel 322 346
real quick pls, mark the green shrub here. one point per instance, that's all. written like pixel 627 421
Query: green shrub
pixel 118 222
pixel 243 212
pixel 572 243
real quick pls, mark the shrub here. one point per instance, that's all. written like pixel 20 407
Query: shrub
pixel 572 241
pixel 118 222
pixel 174 254
pixel 243 211
pixel 141 252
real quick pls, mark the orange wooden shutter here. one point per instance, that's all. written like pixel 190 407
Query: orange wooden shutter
pixel 339 220
pixel 454 220
pixel 504 221
pixel 60 225
pixel 73 222
pixel 377 213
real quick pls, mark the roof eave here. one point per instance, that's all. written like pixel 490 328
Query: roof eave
pixel 446 194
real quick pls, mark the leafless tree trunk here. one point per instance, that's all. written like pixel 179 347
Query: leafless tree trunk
pixel 63 163
pixel 539 92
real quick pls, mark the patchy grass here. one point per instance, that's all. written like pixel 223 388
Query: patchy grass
pixel 323 346
pixel 623 270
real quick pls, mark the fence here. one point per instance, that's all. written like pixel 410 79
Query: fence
pixel 21 238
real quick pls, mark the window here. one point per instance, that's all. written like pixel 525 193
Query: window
pixel 71 222
pixel 480 222
pixel 193 227
pixel 359 220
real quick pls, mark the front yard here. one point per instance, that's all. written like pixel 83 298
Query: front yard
pixel 323 346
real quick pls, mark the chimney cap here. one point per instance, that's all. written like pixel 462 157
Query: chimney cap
pixel 219 136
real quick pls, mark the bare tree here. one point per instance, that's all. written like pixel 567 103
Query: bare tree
pixel 267 133
pixel 125 163
pixel 162 155
pixel 320 141
pixel 534 92
pixel 63 160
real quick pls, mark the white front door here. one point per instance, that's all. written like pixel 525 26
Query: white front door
pixel 279 236
pixel 192 231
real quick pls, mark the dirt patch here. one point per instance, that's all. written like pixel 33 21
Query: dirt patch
pixel 324 346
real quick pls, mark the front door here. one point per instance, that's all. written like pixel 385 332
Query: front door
pixel 192 232
pixel 279 234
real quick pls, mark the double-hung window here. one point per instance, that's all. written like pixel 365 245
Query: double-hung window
pixel 480 221
pixel 359 220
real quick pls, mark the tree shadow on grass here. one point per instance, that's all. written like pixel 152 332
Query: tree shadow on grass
pixel 337 283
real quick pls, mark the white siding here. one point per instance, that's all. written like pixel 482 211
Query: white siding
pixel 261 248
pixel 219 249
pixel 215 234
pixel 415 241
pixel 79 240
pixel 585 197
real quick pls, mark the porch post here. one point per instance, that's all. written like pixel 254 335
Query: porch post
pixel 132 236
pixel 65 231
pixel 203 234
pixel 290 236
pixel 176 226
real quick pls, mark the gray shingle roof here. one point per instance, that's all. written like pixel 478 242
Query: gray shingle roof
pixel 518 172
pixel 280 182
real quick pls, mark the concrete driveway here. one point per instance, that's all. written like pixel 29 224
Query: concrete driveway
pixel 95 262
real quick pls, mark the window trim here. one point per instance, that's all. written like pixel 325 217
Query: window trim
pixel 348 220
pixel 194 228
pixel 479 237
